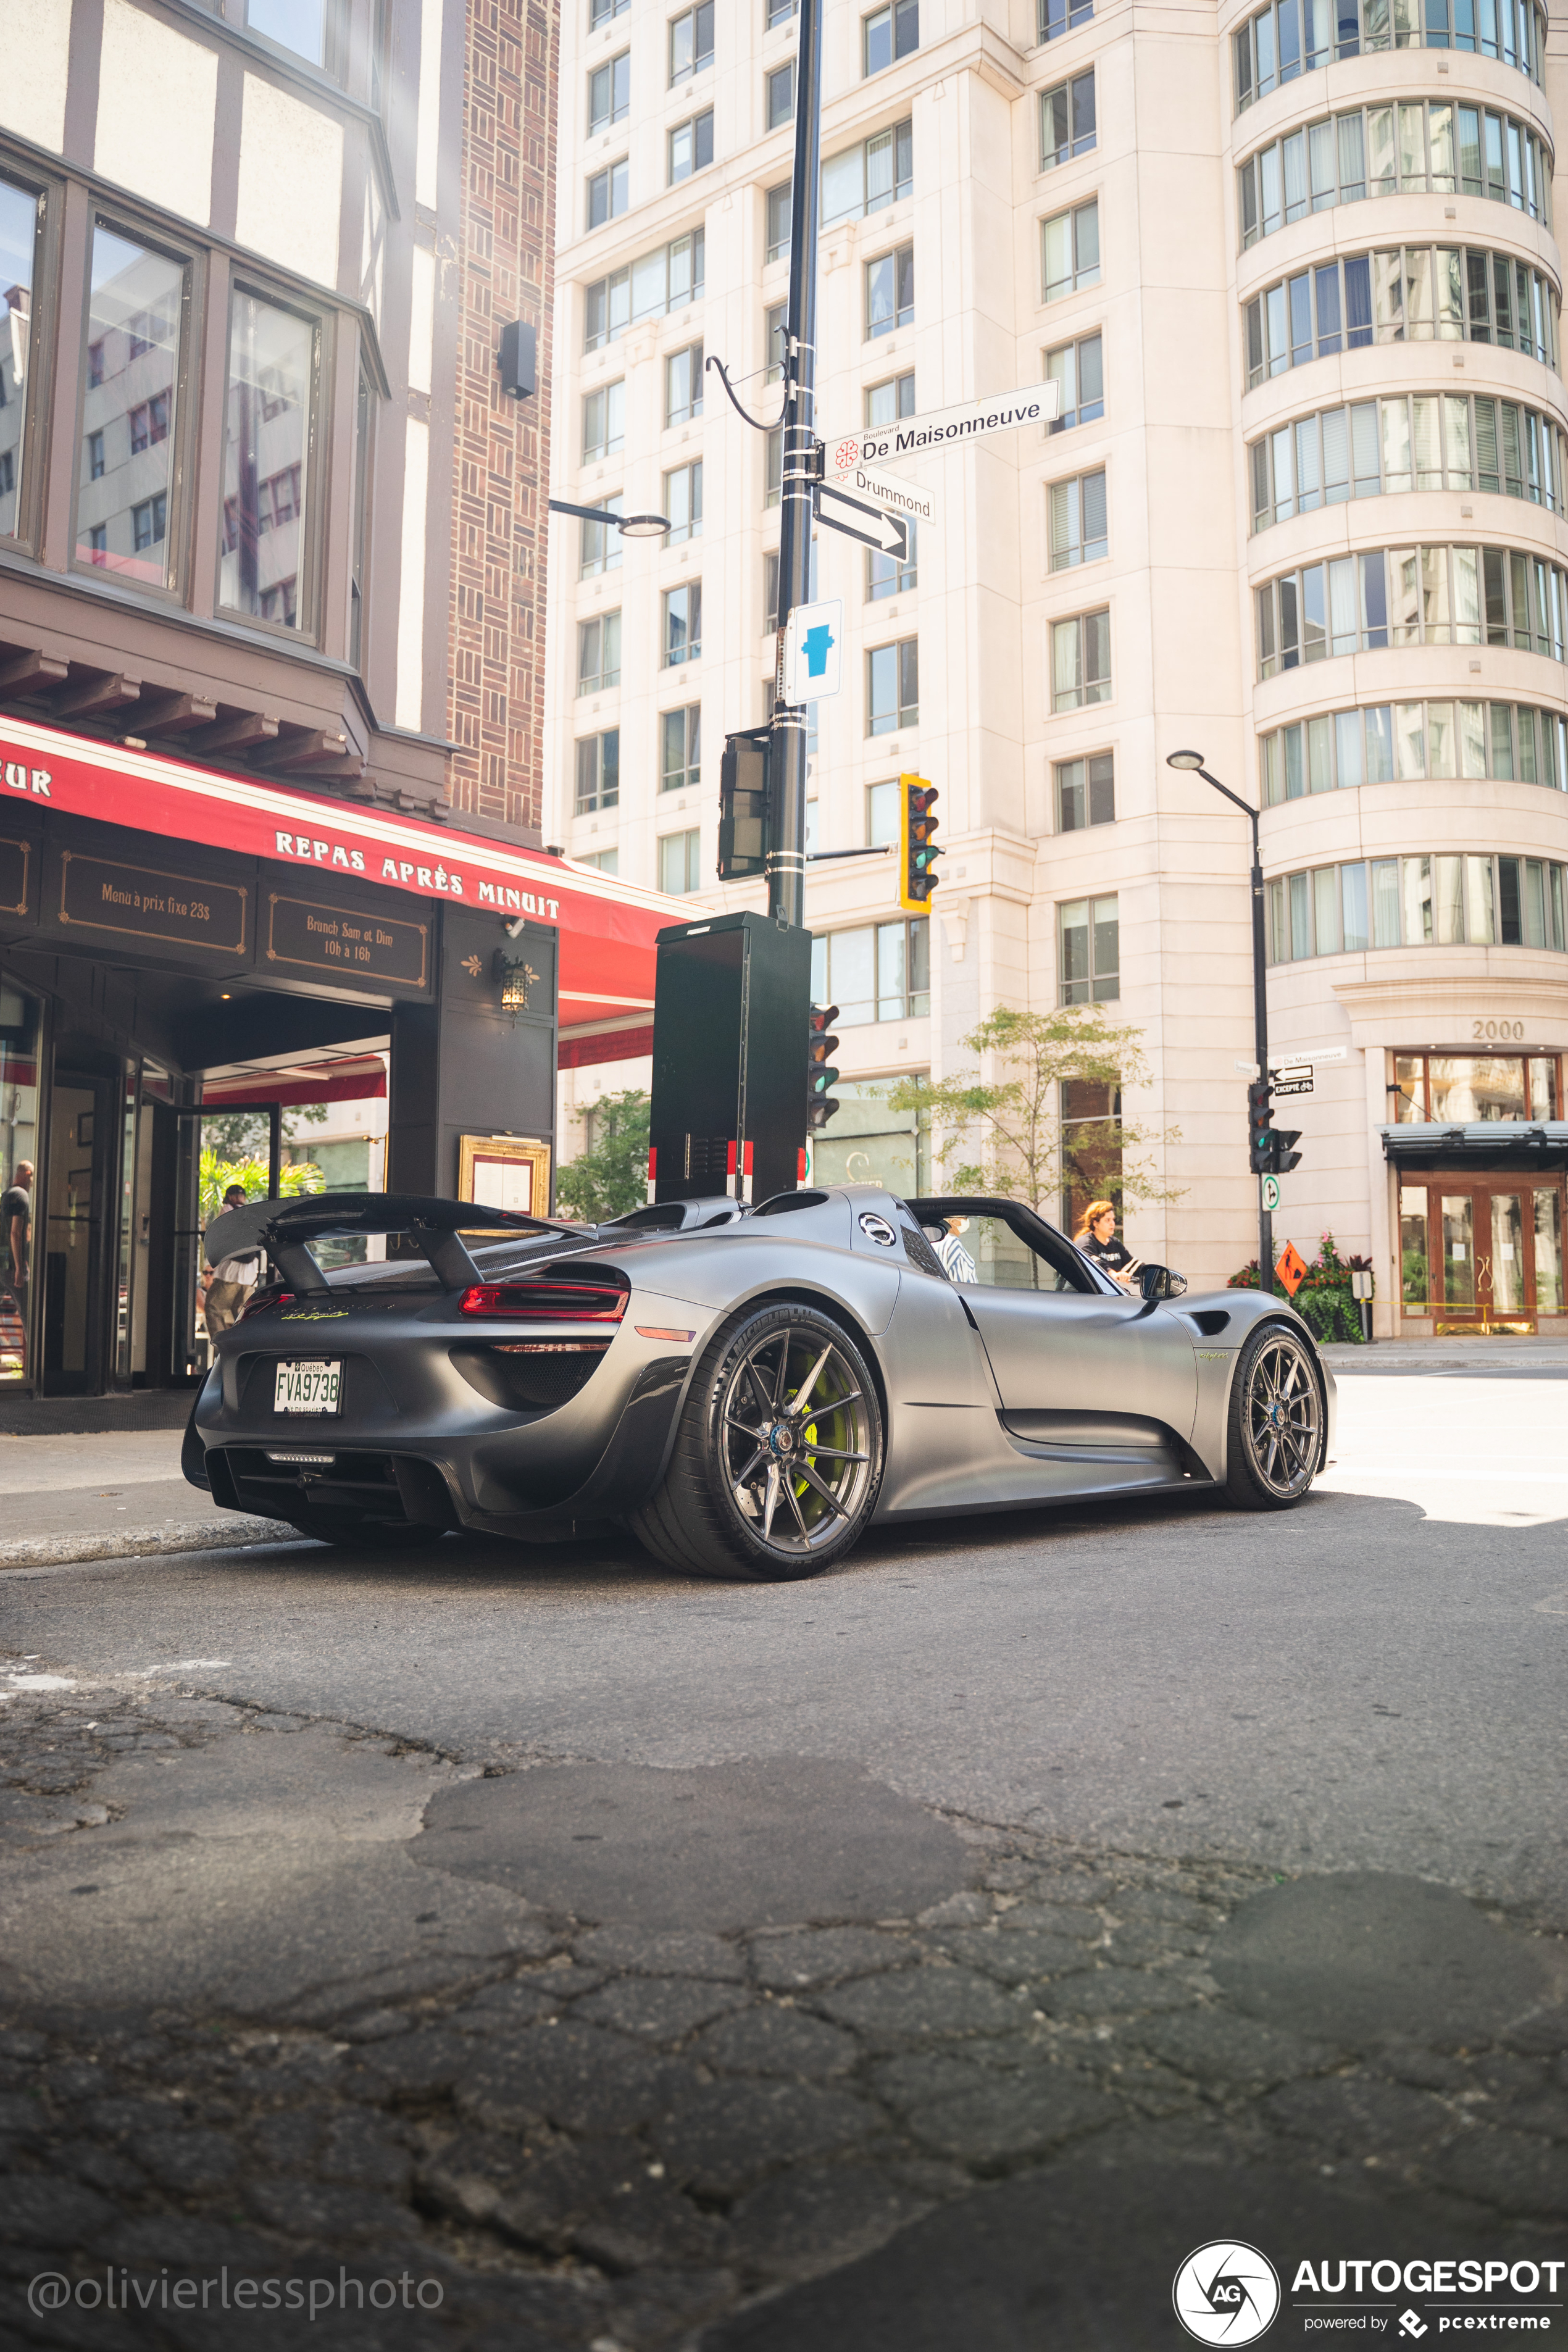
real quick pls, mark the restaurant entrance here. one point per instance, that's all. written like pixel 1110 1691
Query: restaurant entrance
pixel 1480 1253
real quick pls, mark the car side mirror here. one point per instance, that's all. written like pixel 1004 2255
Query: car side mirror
pixel 1160 1282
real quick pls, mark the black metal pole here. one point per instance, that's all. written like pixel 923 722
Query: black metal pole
pixel 1259 1014
pixel 787 760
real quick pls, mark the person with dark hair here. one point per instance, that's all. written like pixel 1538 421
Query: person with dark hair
pixel 233 1278
pixel 1095 1236
pixel 16 1233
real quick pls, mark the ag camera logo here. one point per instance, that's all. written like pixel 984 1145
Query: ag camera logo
pixel 1227 2293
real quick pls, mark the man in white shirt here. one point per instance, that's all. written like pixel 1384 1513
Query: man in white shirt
pixel 956 1262
pixel 233 1278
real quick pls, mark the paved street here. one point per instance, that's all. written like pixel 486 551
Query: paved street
pixel 935 1954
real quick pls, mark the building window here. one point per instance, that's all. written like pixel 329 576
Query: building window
pixel 273 361
pixel 883 813
pixel 1067 120
pixel 603 12
pixel 775 336
pixel 135 322
pixel 604 421
pixel 682 631
pixel 1070 244
pixel 1091 1146
pixel 887 401
pixel 869 175
pixel 599 652
pixel 1058 16
pixel 1421 442
pixel 889 33
pixel 598 771
pixel 680 744
pixel 607 861
pixel 691 146
pixel 691 42
pixel 1085 791
pixel 681 862
pixel 879 971
pixel 778 222
pixel 893 687
pixel 683 502
pixel 888 575
pixel 602 541
pixel 778 12
pixel 300 26
pixel 1406 294
pixel 1456 1089
pixel 770 614
pixel 1077 523
pixel 8 472
pixel 1411 902
pixel 608 194
pixel 1080 661
pixel 665 280
pixel 889 291
pixel 779 86
pixel 1282 42
pixel 1412 596
pixel 609 93
pixel 1077 371
pixel 773 467
pixel 1408 149
pixel 1341 749
pixel 21 217
pixel 1090 952
pixel 683 386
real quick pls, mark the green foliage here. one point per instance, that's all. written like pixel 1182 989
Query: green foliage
pixel 217 1175
pixel 243 1134
pixel 612 1179
pixel 1323 1299
pixel 1001 1133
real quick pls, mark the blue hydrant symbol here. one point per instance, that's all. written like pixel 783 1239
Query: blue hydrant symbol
pixel 816 642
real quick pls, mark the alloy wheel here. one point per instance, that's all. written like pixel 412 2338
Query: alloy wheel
pixel 1283 1416
pixel 796 1439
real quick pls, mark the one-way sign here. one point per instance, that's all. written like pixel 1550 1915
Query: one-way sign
pixel 888 533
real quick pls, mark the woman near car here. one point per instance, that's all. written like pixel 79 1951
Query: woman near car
pixel 1095 1236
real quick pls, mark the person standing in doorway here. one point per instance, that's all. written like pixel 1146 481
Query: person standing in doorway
pixel 233 1278
pixel 17 1235
pixel 1095 1236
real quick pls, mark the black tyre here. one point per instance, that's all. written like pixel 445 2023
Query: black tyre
pixel 1276 1432
pixel 778 1456
pixel 366 1535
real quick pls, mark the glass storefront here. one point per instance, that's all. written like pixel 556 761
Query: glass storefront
pixel 1464 1089
pixel 20 1046
pixel 1481 1253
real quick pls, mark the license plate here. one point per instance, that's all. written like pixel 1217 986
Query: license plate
pixel 312 1387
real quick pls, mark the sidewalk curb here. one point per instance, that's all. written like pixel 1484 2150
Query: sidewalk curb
pixel 142 1543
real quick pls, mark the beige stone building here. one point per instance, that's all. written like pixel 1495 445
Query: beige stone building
pixel 1295 271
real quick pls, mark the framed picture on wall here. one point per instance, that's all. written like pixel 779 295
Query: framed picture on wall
pixel 505 1171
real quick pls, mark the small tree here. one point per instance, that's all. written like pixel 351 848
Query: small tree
pixel 1005 1137
pixel 218 1175
pixel 612 1177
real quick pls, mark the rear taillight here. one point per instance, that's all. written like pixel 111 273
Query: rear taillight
pixel 265 1300
pixel 554 1302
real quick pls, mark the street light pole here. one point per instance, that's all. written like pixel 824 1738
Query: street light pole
pixel 786 763
pixel 1194 761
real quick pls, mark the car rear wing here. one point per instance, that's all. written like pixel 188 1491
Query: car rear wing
pixel 283 1229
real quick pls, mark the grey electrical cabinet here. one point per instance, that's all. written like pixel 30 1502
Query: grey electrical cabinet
pixel 732 1002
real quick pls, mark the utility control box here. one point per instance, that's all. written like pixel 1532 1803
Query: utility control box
pixel 731 1001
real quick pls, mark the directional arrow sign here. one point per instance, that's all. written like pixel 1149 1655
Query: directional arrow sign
pixel 862 520
pixel 890 492
pixel 912 436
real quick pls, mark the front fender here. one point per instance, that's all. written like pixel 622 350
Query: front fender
pixel 1222 1322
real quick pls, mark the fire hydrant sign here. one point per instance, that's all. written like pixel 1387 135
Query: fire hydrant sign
pixel 813 664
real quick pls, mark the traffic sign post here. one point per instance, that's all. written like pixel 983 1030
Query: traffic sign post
pixel 1271 1193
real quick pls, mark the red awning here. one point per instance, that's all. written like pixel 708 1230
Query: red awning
pixel 606 927
pixel 362 1079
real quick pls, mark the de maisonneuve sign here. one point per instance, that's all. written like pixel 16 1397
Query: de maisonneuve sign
pixel 912 436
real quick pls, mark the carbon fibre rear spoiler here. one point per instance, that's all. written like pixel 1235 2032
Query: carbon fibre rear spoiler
pixel 283 1228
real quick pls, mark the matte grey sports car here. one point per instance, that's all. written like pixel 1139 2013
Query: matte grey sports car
pixel 746 1389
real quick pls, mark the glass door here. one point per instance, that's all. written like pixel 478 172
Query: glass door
pixel 1481 1255
pixel 83 1139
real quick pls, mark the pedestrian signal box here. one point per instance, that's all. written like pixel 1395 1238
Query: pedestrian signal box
pixel 743 808
pixel 730 999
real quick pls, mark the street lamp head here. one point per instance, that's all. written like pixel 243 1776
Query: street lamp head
pixel 1184 759
pixel 648 526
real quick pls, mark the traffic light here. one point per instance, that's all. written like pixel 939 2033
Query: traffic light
pixel 1259 1109
pixel 820 1073
pixel 743 808
pixel 1282 1159
pixel 918 851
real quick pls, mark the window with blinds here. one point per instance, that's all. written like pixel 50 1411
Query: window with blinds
pixel 1078 523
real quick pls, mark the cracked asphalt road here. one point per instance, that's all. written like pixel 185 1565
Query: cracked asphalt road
pixel 933 1955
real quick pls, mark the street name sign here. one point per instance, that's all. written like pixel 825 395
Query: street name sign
pixel 889 492
pixel 1300 1065
pixel 814 636
pixel 862 520
pixel 1292 1086
pixel 912 436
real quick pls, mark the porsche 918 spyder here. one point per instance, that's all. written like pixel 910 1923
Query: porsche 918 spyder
pixel 746 1388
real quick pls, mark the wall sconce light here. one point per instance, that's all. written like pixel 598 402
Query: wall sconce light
pixel 515 978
